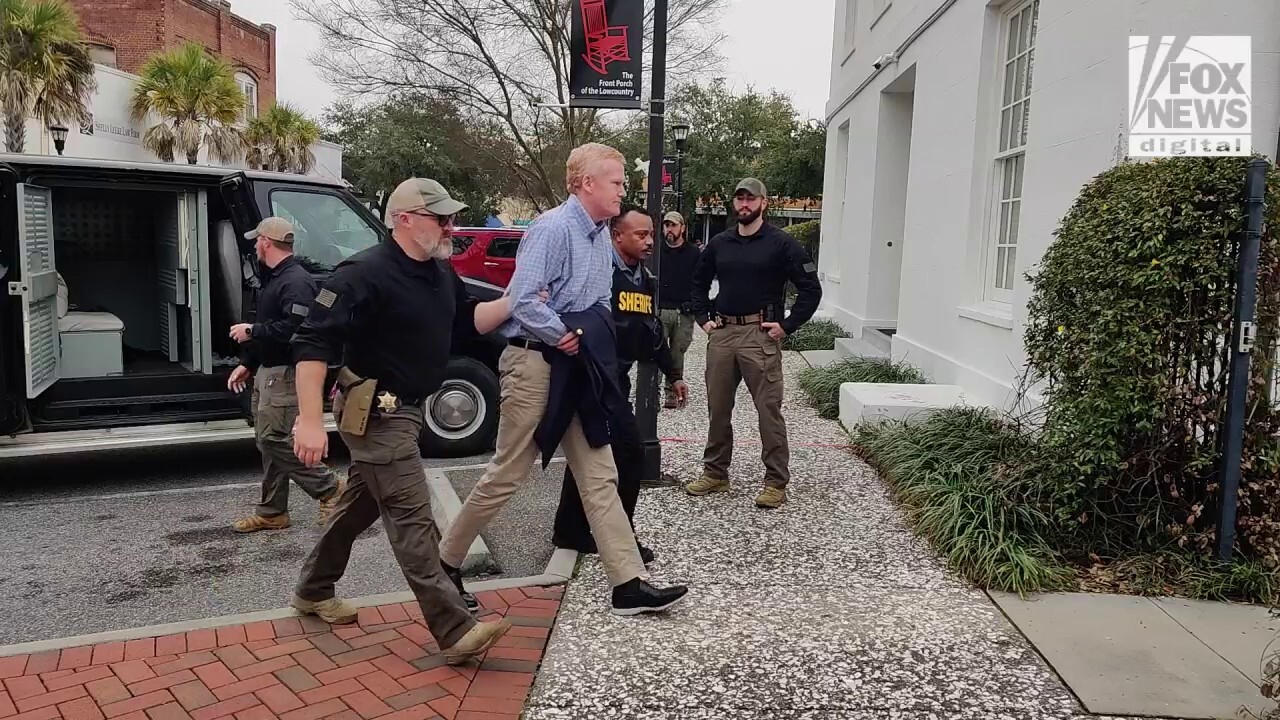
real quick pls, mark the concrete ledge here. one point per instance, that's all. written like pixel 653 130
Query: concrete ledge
pixel 861 402
pixel 819 358
pixel 857 348
pixel 445 506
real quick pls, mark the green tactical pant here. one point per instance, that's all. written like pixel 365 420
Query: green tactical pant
pixel 677 327
pixel 275 408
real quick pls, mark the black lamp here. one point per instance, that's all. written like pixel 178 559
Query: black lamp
pixel 59 133
pixel 681 133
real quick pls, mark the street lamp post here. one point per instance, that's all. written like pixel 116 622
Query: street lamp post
pixel 647 375
pixel 681 133
pixel 59 133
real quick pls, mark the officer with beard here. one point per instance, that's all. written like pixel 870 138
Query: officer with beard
pixel 746 324
pixel 389 313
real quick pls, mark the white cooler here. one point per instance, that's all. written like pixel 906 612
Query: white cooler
pixel 92 345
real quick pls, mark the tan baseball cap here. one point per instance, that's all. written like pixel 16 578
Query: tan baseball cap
pixel 425 194
pixel 753 186
pixel 673 217
pixel 274 228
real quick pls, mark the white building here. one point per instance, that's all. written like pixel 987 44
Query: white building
pixel 115 136
pixel 931 217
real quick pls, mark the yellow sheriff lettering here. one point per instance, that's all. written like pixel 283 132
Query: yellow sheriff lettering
pixel 635 302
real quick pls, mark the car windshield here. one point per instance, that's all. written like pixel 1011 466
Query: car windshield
pixel 326 229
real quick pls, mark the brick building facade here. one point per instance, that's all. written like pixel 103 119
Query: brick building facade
pixel 124 34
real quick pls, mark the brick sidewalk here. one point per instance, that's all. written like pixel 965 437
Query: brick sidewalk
pixel 385 666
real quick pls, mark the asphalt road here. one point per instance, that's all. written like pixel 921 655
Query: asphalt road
pixel 135 538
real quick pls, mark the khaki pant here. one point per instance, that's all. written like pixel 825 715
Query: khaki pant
pixel 678 330
pixel 275 408
pixel 525 379
pixel 387 481
pixel 736 353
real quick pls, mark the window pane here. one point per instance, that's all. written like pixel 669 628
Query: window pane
pixel 326 229
pixel 1010 269
pixel 1020 84
pixel 1015 214
pixel 1018 163
pixel 1014 26
pixel 1000 266
pixel 1002 236
pixel 1005 118
pixel 503 247
pixel 1024 34
pixel 461 243
pixel 1016 130
pixel 1008 83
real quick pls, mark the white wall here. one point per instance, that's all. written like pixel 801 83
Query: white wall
pixel 115 136
pixel 944 324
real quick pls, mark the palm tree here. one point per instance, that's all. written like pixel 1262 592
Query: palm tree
pixel 45 68
pixel 281 139
pixel 198 101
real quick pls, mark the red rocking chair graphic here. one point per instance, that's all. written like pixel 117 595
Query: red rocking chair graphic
pixel 604 44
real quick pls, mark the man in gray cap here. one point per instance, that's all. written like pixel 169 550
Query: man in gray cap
pixel 389 314
pixel 677 257
pixel 753 262
pixel 286 296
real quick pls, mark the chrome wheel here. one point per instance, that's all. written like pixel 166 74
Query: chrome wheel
pixel 456 410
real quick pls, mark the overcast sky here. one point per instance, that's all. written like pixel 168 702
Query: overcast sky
pixel 780 44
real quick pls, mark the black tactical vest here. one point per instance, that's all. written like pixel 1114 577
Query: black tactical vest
pixel 639 332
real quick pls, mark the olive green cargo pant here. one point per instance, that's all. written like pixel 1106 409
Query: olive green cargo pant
pixel 678 330
pixel 737 353
pixel 275 408
pixel 387 481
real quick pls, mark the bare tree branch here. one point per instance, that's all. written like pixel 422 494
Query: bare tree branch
pixel 496 60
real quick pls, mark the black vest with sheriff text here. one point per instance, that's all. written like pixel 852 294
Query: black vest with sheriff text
pixel 639 331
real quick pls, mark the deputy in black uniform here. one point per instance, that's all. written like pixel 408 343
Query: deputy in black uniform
pixel 284 301
pixel 753 261
pixel 640 338
pixel 389 313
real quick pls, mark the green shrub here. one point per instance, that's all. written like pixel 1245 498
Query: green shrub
pixel 815 335
pixel 809 235
pixel 822 384
pixel 1130 313
pixel 957 473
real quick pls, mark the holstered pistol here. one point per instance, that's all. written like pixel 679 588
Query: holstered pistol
pixel 358 395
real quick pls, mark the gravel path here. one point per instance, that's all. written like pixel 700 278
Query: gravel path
pixel 827 608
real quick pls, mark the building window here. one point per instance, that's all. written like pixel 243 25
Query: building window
pixel 249 87
pixel 850 23
pixel 103 55
pixel 1017 52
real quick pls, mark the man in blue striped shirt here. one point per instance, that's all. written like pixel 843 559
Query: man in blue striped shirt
pixel 568 254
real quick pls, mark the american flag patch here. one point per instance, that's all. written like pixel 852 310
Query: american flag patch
pixel 810 267
pixel 326 297
pixel 299 309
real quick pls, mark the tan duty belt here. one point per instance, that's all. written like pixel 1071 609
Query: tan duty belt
pixel 753 319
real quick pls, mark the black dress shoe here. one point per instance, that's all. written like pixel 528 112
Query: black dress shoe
pixel 646 555
pixel 455 575
pixel 636 597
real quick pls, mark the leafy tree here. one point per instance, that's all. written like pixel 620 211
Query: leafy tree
pixel 749 134
pixel 197 98
pixel 45 68
pixel 500 61
pixel 412 135
pixel 281 140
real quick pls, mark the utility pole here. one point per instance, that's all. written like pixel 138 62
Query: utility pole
pixel 647 375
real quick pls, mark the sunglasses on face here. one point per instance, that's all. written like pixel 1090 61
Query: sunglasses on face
pixel 443 220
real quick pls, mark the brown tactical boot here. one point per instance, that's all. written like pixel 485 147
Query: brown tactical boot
pixel 333 611
pixel 771 498
pixel 706 485
pixel 477 640
pixel 328 505
pixel 254 523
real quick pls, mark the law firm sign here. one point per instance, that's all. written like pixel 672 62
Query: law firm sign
pixel 1189 95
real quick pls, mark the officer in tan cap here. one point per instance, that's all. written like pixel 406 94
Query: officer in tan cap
pixel 675 300
pixel 389 314
pixel 286 296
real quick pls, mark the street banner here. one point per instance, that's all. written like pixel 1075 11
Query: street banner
pixel 670 174
pixel 605 54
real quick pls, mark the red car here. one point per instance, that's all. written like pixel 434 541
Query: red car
pixel 486 254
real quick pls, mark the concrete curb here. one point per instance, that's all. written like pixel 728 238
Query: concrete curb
pixel 445 506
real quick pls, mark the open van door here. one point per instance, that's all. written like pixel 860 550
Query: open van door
pixel 38 288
